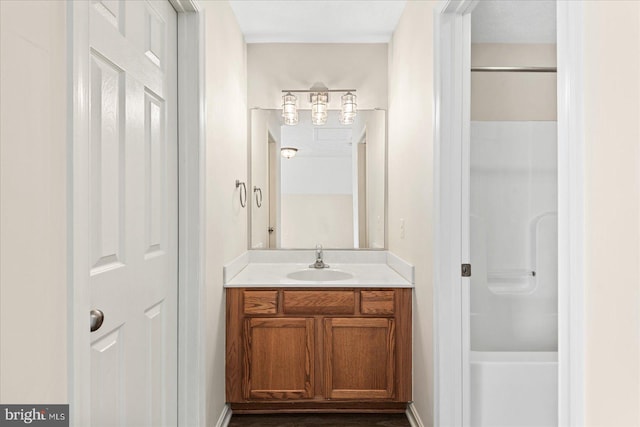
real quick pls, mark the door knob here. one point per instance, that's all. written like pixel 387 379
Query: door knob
pixel 97 317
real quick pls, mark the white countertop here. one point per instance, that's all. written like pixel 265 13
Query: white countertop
pixel 275 275
pixel 370 269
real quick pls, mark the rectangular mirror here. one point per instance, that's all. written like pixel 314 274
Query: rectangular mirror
pixel 331 192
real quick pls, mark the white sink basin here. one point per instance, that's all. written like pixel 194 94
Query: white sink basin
pixel 319 275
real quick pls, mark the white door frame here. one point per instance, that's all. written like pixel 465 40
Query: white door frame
pixel 451 93
pixel 191 121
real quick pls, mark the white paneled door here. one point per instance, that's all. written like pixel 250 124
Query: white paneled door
pixel 133 212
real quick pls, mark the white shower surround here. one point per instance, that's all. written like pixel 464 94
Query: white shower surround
pixel 514 236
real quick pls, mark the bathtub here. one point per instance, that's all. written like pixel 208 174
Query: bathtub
pixel 514 389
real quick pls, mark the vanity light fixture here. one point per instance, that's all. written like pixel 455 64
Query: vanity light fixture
pixel 288 152
pixel 319 99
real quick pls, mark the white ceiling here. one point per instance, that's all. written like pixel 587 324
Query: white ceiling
pixel 317 21
pixel 514 21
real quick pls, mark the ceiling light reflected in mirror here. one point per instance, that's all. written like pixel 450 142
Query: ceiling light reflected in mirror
pixel 288 152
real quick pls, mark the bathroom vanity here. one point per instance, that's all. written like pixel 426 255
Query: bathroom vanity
pixel 335 345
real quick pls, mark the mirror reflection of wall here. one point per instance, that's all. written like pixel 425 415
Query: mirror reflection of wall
pixel 331 192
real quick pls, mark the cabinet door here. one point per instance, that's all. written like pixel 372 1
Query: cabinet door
pixel 279 358
pixel 359 358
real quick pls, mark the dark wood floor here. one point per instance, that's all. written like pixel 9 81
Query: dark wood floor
pixel 324 420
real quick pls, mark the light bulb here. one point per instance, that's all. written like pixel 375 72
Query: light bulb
pixel 319 108
pixel 289 109
pixel 349 108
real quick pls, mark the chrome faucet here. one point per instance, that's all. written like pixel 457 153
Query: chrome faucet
pixel 319 262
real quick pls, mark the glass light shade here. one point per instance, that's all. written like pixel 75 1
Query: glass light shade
pixel 319 108
pixel 288 152
pixel 349 108
pixel 289 109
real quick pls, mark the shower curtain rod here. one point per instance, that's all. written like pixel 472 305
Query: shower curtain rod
pixel 516 69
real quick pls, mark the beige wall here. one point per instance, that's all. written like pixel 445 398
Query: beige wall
pixel 226 161
pixel 411 179
pixel 513 96
pixel 273 67
pixel 612 272
pixel 33 200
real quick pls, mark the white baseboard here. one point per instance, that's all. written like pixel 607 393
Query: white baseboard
pixel 413 417
pixel 225 417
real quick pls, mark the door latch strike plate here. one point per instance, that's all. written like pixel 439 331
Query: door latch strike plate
pixel 466 270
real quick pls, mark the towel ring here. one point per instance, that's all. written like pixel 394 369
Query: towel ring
pixel 243 189
pixel 258 190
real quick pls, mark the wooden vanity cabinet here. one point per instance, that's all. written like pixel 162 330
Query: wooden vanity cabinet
pixel 333 350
